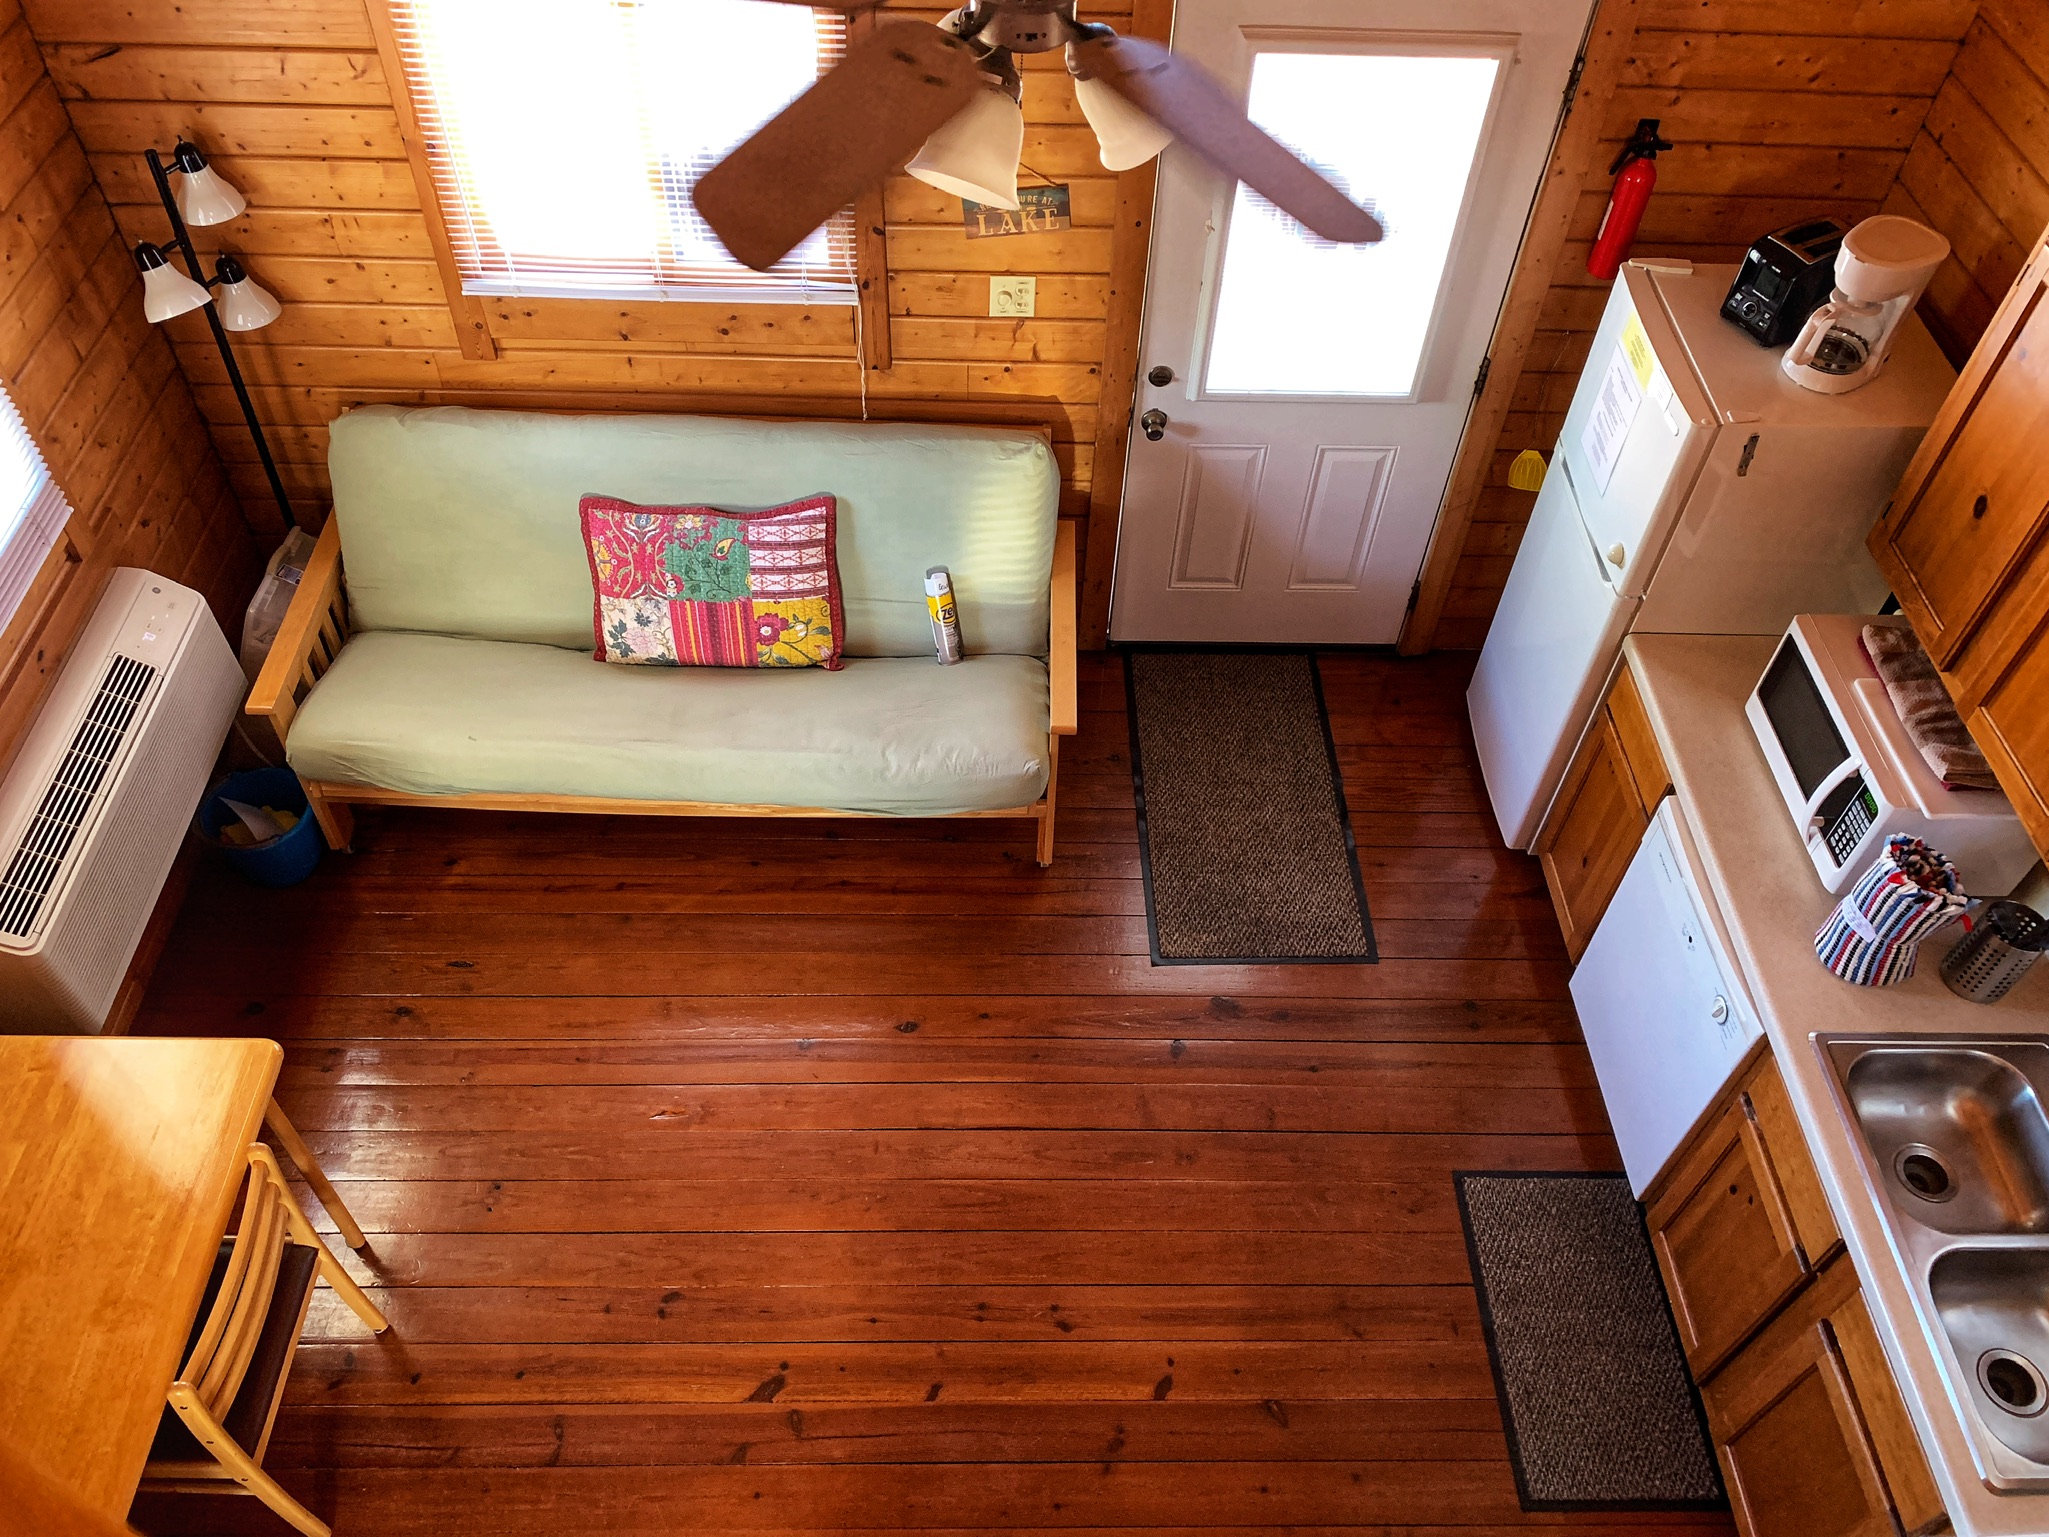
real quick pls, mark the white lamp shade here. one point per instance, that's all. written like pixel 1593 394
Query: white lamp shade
pixel 1126 135
pixel 974 154
pixel 204 198
pixel 166 292
pixel 245 306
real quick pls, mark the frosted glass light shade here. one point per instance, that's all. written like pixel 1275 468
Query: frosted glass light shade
pixel 165 290
pixel 204 198
pixel 1126 136
pixel 974 154
pixel 244 305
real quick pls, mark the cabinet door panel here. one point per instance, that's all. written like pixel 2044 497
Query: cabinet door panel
pixel 1912 1487
pixel 1725 1243
pixel 1586 847
pixel 1965 529
pixel 1801 1466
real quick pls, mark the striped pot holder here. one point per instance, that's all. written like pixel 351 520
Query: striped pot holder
pixel 1876 931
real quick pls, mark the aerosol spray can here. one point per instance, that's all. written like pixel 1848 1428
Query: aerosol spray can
pixel 945 617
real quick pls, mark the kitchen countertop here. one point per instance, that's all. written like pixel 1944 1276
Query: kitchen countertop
pixel 1772 901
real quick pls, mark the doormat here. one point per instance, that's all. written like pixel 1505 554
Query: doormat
pixel 1600 1410
pixel 1246 848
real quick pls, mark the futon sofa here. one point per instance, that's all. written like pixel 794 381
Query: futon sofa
pixel 439 649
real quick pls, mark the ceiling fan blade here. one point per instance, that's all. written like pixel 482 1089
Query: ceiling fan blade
pixel 864 118
pixel 1182 97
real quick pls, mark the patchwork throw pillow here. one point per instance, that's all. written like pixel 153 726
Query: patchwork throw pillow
pixel 696 587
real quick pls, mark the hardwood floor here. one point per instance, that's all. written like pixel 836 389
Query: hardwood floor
pixel 788 1177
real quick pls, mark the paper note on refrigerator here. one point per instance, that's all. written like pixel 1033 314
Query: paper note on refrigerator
pixel 1614 410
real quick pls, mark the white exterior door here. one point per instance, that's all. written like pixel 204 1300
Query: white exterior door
pixel 1313 395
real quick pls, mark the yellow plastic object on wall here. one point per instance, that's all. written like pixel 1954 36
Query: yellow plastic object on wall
pixel 1527 472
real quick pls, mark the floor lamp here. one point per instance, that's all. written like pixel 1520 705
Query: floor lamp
pixel 203 197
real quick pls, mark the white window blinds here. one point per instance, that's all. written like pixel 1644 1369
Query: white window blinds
pixel 32 510
pixel 565 137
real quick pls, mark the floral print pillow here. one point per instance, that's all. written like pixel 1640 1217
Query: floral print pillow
pixel 696 587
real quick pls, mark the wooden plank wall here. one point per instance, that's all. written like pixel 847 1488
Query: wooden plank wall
pixel 1780 109
pixel 1979 169
pixel 293 104
pixel 100 393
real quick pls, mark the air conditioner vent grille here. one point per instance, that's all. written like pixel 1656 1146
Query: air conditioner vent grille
pixel 68 801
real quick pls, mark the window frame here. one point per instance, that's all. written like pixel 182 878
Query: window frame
pixel 471 312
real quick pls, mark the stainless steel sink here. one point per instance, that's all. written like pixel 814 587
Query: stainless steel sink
pixel 1959 1134
pixel 1957 1158
pixel 1994 1307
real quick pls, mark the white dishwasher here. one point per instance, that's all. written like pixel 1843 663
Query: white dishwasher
pixel 1663 1005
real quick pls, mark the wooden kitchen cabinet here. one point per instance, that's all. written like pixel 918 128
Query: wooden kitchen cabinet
pixel 1812 1433
pixel 1604 804
pixel 1793 1432
pixel 1725 1237
pixel 1965 544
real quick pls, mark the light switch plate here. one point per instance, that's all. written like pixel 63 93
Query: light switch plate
pixel 1013 298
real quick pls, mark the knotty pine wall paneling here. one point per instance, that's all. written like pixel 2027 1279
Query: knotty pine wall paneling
pixel 1979 169
pixel 292 103
pixel 1780 109
pixel 101 395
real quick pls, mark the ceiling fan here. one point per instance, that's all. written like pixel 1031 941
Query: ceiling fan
pixel 929 94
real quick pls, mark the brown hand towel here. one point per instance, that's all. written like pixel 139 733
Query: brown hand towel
pixel 1925 710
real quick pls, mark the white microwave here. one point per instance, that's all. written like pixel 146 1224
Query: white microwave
pixel 1852 777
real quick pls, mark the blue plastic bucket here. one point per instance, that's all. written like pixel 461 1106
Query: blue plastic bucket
pixel 282 862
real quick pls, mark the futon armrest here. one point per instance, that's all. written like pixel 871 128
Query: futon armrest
pixel 312 635
pixel 1061 654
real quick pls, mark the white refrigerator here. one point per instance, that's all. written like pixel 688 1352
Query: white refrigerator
pixel 1695 490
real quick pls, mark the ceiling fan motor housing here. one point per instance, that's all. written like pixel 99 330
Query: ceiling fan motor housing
pixel 1022 26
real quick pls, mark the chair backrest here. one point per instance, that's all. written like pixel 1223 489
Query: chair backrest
pixel 457 521
pixel 219 1358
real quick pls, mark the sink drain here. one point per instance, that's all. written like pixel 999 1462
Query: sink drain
pixel 2013 1383
pixel 1923 1172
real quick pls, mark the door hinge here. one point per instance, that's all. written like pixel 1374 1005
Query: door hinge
pixel 1415 593
pixel 1571 87
pixel 1480 378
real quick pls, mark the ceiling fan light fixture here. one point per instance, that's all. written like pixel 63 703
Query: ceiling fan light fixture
pixel 1126 136
pixel 974 154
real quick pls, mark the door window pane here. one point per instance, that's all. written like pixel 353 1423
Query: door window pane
pixel 1299 316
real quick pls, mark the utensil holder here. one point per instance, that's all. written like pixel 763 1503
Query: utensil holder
pixel 2008 939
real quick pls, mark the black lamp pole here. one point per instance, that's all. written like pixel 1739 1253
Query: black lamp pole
pixel 220 336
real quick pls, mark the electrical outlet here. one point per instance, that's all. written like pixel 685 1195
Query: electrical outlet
pixel 1012 298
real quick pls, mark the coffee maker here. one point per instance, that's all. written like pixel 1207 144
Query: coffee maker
pixel 1881 269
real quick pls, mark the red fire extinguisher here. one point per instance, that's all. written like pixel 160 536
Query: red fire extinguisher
pixel 1636 175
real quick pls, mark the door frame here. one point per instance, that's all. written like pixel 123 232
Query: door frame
pixel 1131 238
pixel 1573 165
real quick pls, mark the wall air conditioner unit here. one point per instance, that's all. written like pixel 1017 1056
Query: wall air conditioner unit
pixel 96 805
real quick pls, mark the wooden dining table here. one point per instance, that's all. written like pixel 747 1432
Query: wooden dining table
pixel 120 1161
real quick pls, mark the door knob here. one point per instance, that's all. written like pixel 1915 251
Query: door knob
pixel 1154 425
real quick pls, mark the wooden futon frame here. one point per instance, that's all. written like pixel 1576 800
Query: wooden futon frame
pixel 317 627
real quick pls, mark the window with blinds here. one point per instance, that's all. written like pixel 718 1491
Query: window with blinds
pixel 565 137
pixel 32 510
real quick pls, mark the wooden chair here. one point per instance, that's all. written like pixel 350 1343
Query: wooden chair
pixel 226 1395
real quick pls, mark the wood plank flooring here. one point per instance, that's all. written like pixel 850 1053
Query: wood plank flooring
pixel 802 1178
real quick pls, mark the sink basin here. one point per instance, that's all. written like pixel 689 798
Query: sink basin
pixel 1958 1134
pixel 1957 1169
pixel 1994 1306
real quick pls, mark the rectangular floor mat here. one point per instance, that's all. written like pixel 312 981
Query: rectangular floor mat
pixel 1600 1409
pixel 1247 849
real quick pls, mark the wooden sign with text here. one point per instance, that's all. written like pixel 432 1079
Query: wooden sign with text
pixel 1041 211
